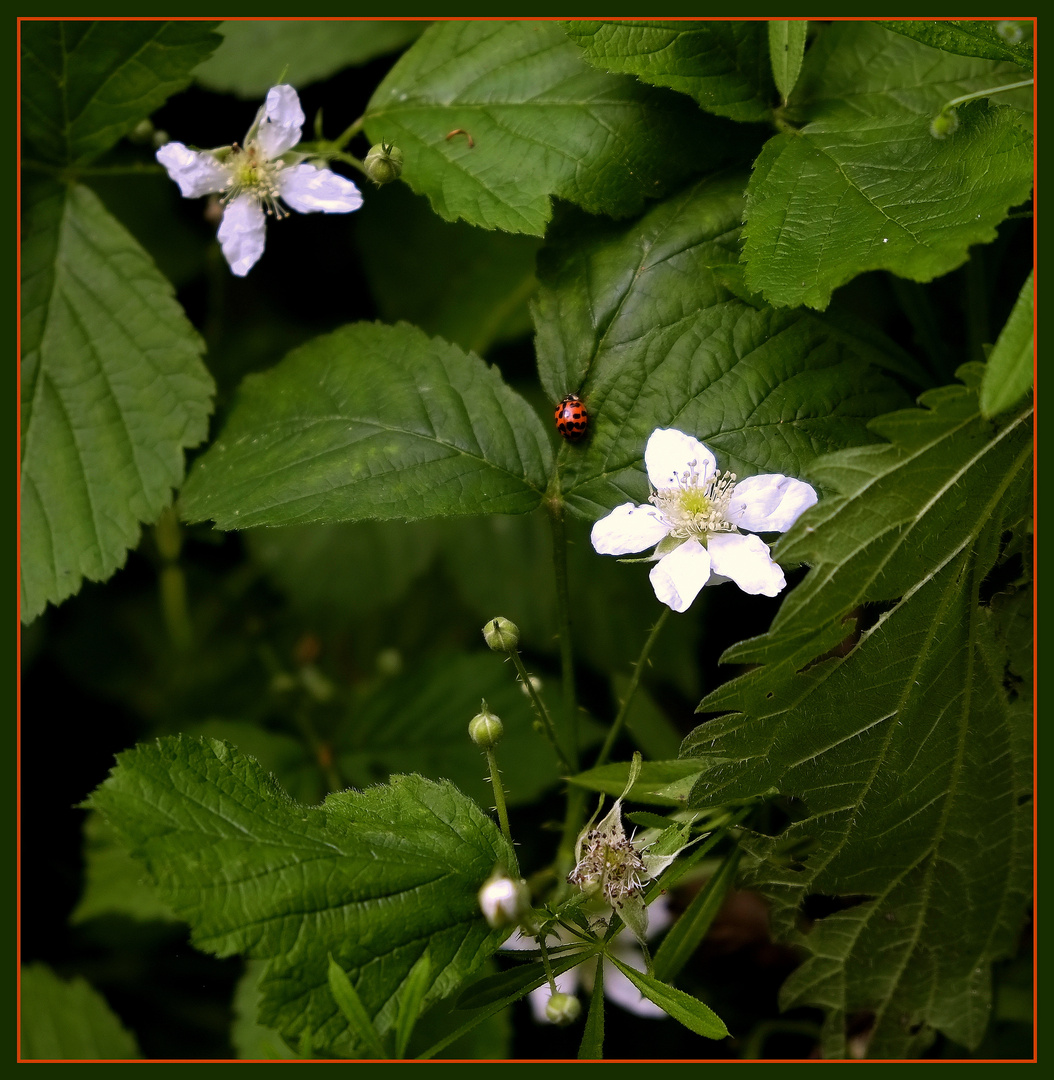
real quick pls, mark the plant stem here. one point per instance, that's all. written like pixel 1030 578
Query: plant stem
pixel 543 712
pixel 499 795
pixel 563 604
pixel 985 93
pixel 620 720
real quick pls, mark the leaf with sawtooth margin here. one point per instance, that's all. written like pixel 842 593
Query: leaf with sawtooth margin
pixel 371 422
pixel 374 877
pixel 113 391
pixel 85 84
pixel 1002 39
pixel 496 118
pixel 638 321
pixel 910 760
pixel 723 66
pixel 863 184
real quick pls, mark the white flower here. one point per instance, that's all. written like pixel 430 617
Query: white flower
pixel 616 986
pixel 251 179
pixel 694 521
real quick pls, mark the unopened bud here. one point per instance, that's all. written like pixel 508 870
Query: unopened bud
pixel 501 635
pixel 503 901
pixel 563 1009
pixel 485 729
pixel 384 163
pixel 944 124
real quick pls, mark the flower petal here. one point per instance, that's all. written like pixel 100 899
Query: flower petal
pixel 678 577
pixel 669 455
pixel 241 234
pixel 745 559
pixel 196 172
pixel 769 503
pixel 305 188
pixel 628 528
pixel 279 127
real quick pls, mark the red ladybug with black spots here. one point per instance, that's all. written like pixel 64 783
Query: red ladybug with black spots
pixel 572 418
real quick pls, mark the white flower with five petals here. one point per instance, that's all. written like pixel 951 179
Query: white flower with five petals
pixel 694 521
pixel 255 180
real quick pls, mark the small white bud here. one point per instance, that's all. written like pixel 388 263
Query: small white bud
pixel 563 1009
pixel 503 901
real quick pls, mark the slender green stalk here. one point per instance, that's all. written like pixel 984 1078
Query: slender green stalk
pixel 349 132
pixel 548 967
pixel 985 93
pixel 620 720
pixel 542 711
pixel 499 795
pixel 563 603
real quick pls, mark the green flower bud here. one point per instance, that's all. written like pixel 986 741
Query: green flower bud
pixel 944 124
pixel 384 163
pixel 485 729
pixel 504 901
pixel 501 635
pixel 563 1009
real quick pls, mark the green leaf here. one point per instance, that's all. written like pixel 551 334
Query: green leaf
pixel 639 325
pixel 113 880
pixel 592 1046
pixel 1009 372
pixel 113 390
pixel 1007 39
pixel 68 1021
pixel 417 983
pixel 786 51
pixel 376 422
pixel 250 1039
pixel 509 986
pixel 858 186
pixel 724 66
pixel 457 282
pixel 85 84
pixel 682 1007
pixel 256 54
pixel 350 1004
pixel 255 873
pixel 904 756
pixel 687 933
pixel 654 785
pixel 541 123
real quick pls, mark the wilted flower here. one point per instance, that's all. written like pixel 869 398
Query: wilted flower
pixel 254 180
pixel 694 520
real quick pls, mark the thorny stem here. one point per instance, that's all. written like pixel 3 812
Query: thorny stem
pixel 620 720
pixel 543 712
pixel 563 603
pixel 499 795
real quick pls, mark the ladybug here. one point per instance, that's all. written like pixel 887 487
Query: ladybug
pixel 572 419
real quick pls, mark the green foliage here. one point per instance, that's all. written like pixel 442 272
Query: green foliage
pixel 1009 372
pixel 520 91
pixel 256 54
pixel 85 84
pixel 724 66
pixel 852 186
pixel 683 1007
pixel 371 877
pixel 658 340
pixel 909 761
pixel 1002 40
pixel 113 390
pixel 786 50
pixel 69 1021
pixel 371 422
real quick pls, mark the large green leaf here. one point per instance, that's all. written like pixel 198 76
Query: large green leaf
pixel 69 1021
pixel 863 184
pixel 113 390
pixel 258 53
pixel 724 66
pixel 537 121
pixel 910 763
pixel 1005 39
pixel 371 421
pixel 372 877
pixel 85 84
pixel 639 322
